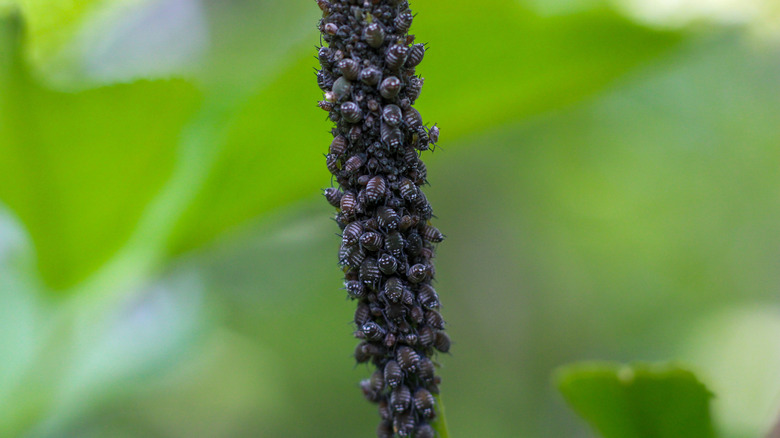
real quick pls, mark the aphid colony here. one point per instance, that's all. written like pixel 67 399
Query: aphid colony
pixel 369 84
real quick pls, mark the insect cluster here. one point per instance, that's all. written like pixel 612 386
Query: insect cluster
pixel 369 84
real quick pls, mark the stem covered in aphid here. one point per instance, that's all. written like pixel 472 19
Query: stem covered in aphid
pixel 369 85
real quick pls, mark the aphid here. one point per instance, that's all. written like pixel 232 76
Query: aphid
pixel 434 319
pixel 404 424
pixel 423 402
pixel 394 244
pixel 432 234
pixel 384 410
pixel 387 218
pixel 362 314
pixel 390 87
pixel 385 429
pixel 424 431
pixel 391 135
pixel 333 196
pixel 394 289
pixel 414 88
pixel 349 68
pixel 416 54
pixel 408 298
pixel 368 391
pixel 395 56
pixel 389 340
pixel 442 342
pixel 407 359
pixel 410 157
pixel 391 114
pixel 355 134
pixel 375 189
pixel 351 112
pixel 412 118
pixel 407 189
pixel 374 35
pixel 352 256
pixel 370 75
pixel 332 162
pixel 354 163
pixel 355 289
pixel 338 146
pixel 400 398
pixel 325 105
pixel 331 28
pixel 426 336
pixel 426 371
pixel 373 331
pixel 428 297
pixel 417 315
pixel 371 241
pixel 393 374
pixel 403 22
pixel 387 264
pixel 417 273
pixel 361 353
pixel 395 311
pixel 324 80
pixel 407 222
pixel 341 89
pixel 351 233
pixel 369 272
pixel 324 55
pixel 434 134
pixel 348 203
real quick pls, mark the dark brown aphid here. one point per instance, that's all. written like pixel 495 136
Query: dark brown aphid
pixel 355 134
pixel 423 402
pixel 390 87
pixel 351 256
pixel 434 319
pixel 387 264
pixel 349 68
pixel 442 342
pixel 417 314
pixel 400 398
pixel 393 374
pixel 391 114
pixel 355 289
pixel 390 340
pixel 369 272
pixel 371 241
pixel 391 135
pixel 417 273
pixel 351 233
pixel 428 297
pixel 338 146
pixel 332 162
pixel 374 35
pixel 407 359
pixel 396 56
pixel 341 90
pixel 354 163
pixel 424 431
pixel 368 391
pixel 324 80
pixel 331 29
pixel 426 336
pixel 394 244
pixel 407 222
pixel 412 118
pixel 375 189
pixel 426 370
pixel 325 105
pixel 351 112
pixel 324 55
pixel 394 289
pixel 362 314
pixel 384 410
pixel 407 189
pixel 415 56
pixel 385 429
pixel 373 331
pixel 411 158
pixel 362 353
pixel 348 203
pixel 414 244
pixel 386 217
pixel 414 89
pixel 333 195
pixel 432 234
pixel 403 22
pixel 404 424
pixel 370 75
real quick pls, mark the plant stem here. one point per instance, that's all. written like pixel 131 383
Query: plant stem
pixel 440 423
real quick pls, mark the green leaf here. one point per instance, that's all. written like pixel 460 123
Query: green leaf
pixel 524 65
pixel 638 401
pixel 79 168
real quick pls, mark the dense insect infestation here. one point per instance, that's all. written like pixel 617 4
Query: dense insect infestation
pixel 369 84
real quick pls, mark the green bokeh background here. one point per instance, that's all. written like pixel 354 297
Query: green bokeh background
pixel 609 187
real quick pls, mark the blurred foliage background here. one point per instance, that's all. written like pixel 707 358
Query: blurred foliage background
pixel 608 180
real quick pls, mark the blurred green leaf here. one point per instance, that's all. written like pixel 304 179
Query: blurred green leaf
pixel 79 168
pixel 526 65
pixel 638 401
